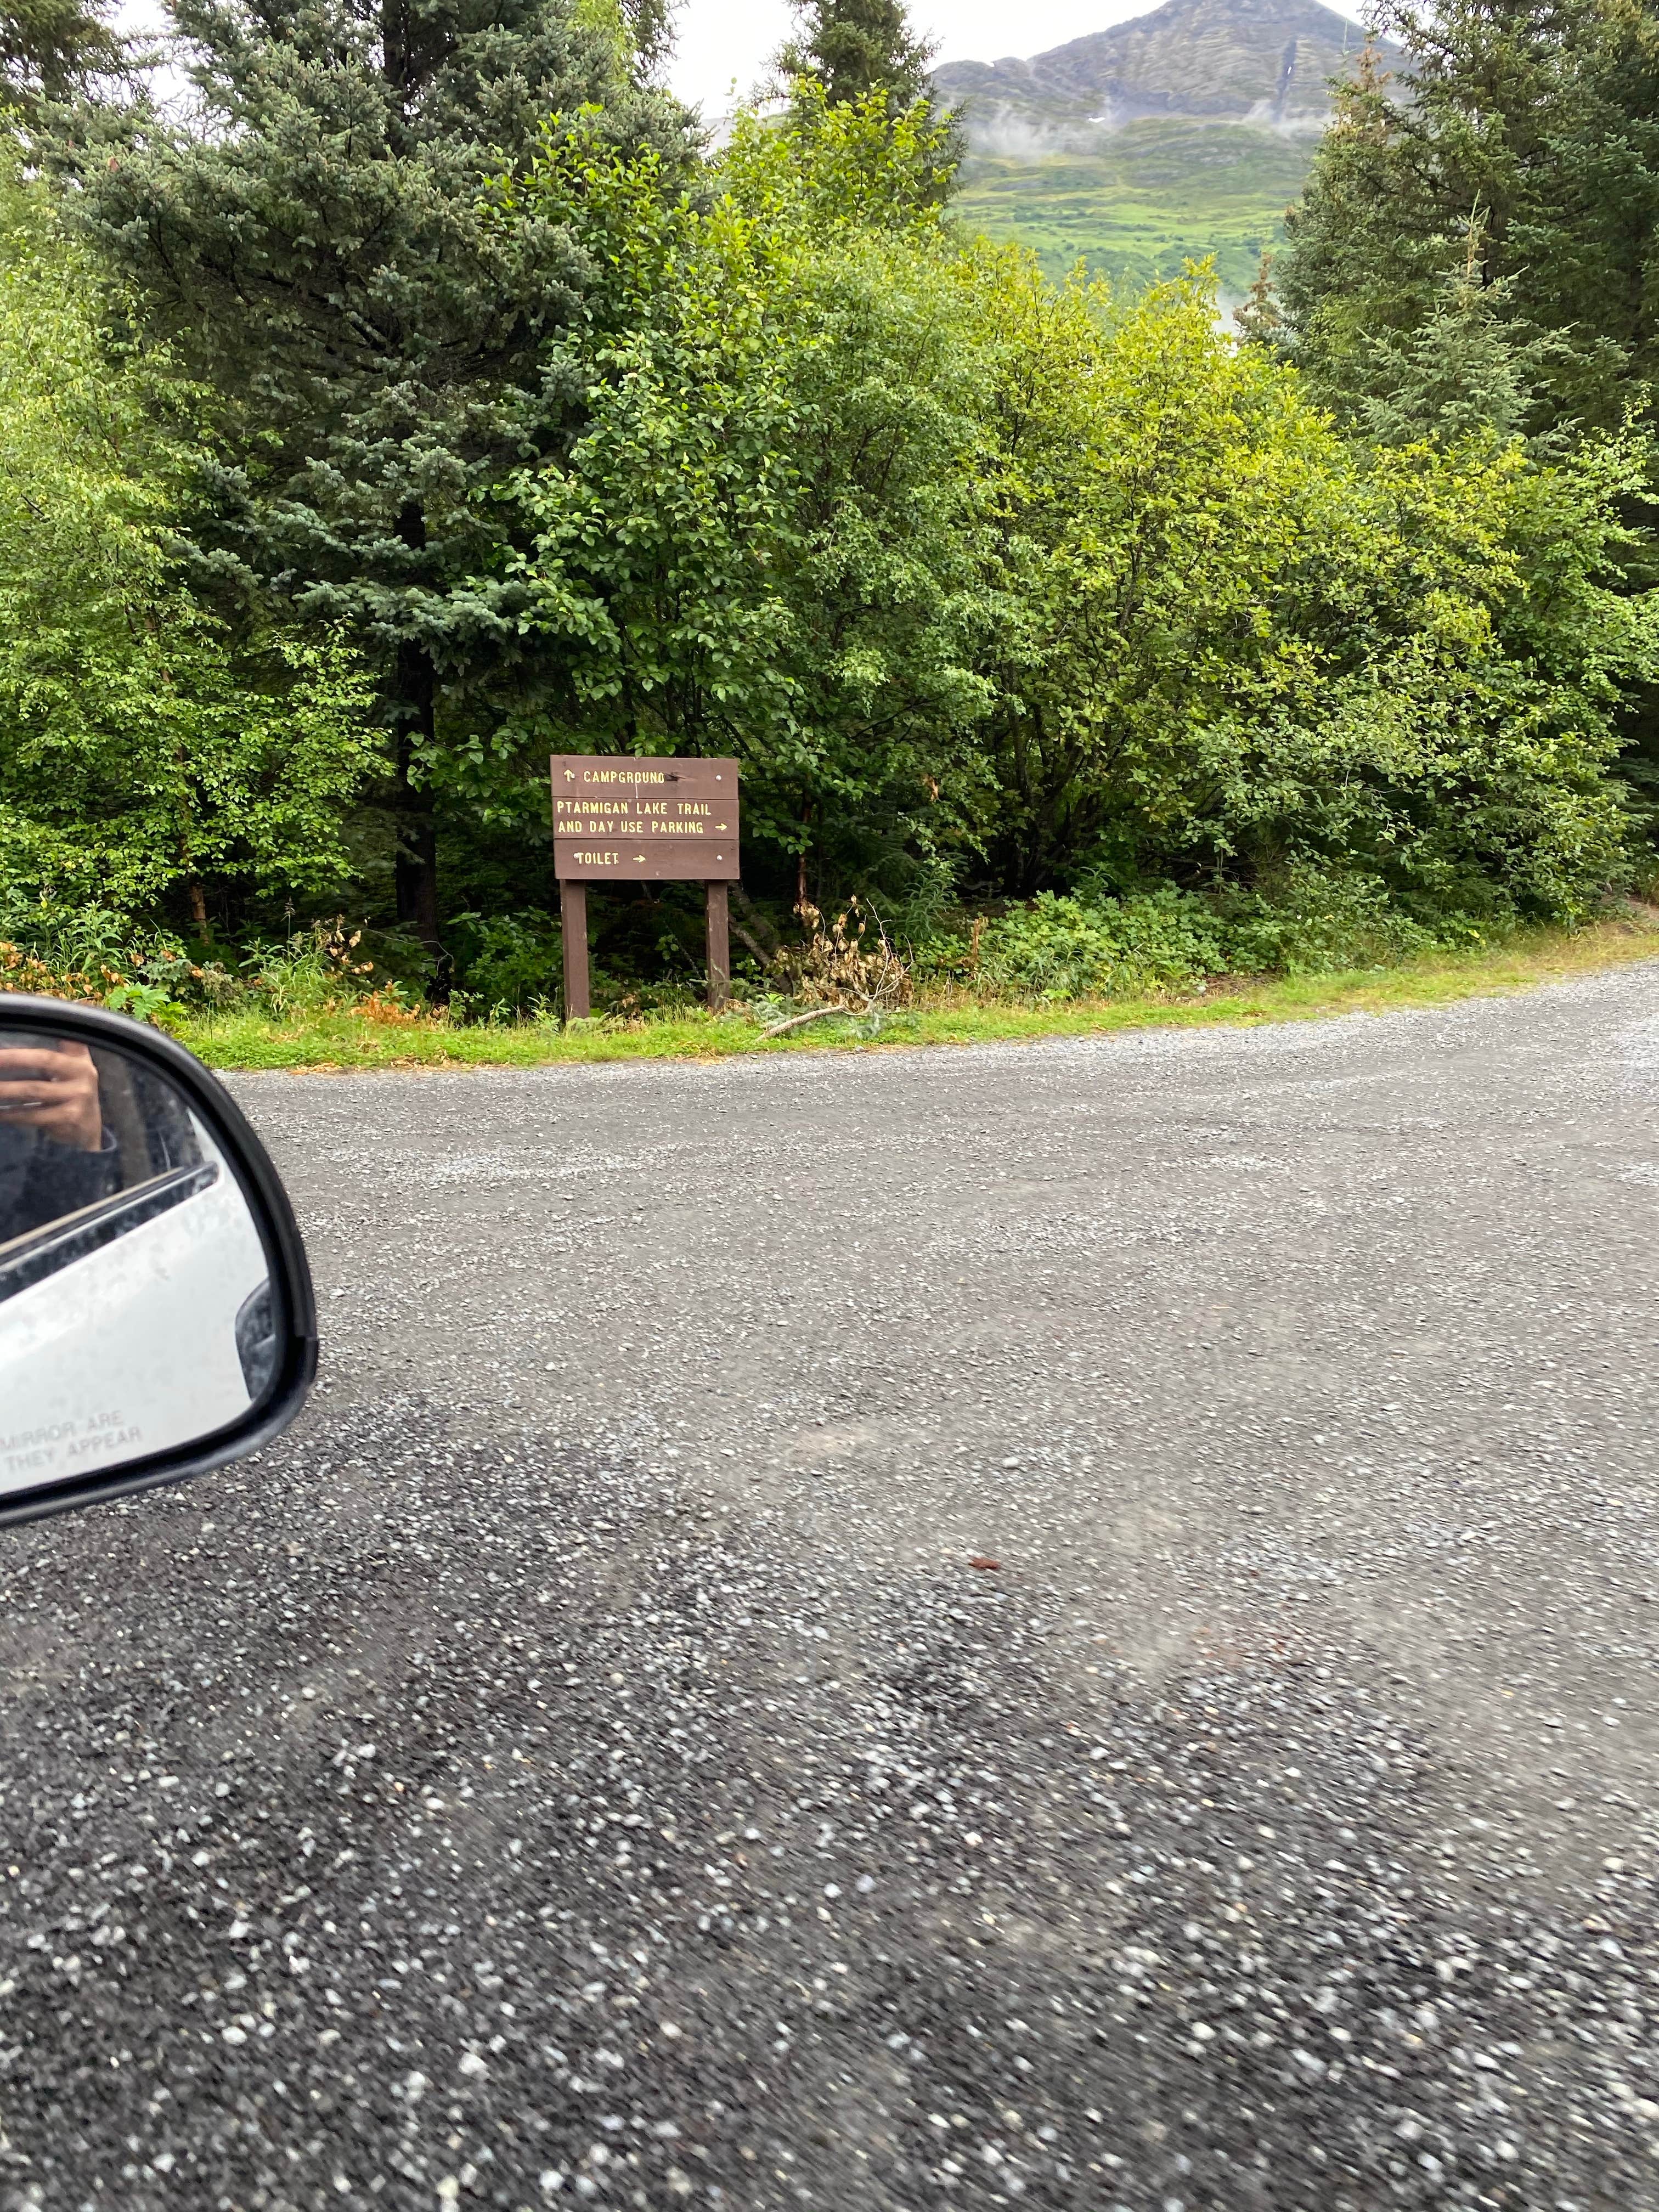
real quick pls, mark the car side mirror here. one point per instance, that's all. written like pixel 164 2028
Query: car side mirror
pixel 156 1315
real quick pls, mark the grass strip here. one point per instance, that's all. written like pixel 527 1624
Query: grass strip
pixel 346 1039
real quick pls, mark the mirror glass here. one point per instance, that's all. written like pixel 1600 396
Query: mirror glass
pixel 136 1306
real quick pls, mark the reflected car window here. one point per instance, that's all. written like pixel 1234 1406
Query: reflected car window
pixel 78 1127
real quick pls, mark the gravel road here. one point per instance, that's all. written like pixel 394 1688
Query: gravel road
pixel 1070 1627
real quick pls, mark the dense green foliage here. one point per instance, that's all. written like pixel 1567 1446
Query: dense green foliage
pixel 763 541
pixel 1478 245
pixel 52 49
pixel 325 254
pixel 1515 156
pixel 441 405
pixel 145 751
pixel 1239 642
pixel 1026 582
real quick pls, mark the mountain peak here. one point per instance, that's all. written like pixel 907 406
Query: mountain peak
pixel 1264 61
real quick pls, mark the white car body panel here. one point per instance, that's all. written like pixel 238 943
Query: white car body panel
pixel 165 1295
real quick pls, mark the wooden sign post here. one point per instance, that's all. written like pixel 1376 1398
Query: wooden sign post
pixel 617 818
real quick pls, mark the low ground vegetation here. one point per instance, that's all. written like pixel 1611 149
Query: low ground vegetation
pixel 1060 967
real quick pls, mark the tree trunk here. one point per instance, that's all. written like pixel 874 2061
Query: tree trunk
pixel 769 948
pixel 414 685
pixel 417 864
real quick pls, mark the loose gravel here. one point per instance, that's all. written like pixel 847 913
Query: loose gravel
pixel 570 1770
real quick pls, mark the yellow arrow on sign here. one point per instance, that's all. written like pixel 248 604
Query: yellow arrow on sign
pixel 570 775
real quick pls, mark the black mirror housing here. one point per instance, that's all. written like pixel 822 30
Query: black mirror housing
pixel 157 1318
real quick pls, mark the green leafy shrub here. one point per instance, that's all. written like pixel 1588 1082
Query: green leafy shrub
pixel 96 954
pixel 315 971
pixel 1313 922
pixel 1067 948
pixel 764 540
pixel 505 963
pixel 145 1002
pixel 1234 641
pixel 1317 922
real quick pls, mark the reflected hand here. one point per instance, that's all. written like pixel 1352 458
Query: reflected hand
pixel 54 1088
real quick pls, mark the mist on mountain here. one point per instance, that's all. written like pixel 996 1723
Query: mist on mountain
pixel 1180 135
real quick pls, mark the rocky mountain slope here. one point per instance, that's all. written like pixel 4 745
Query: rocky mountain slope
pixel 1181 135
pixel 1266 64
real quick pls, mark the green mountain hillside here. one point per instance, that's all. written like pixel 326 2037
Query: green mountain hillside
pixel 1163 194
pixel 1181 135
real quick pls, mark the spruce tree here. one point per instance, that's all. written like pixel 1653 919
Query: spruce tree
pixel 1532 124
pixel 51 49
pixel 855 47
pixel 851 51
pixel 329 249
pixel 1461 371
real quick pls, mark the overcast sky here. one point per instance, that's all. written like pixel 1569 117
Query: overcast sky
pixel 720 42
pixel 720 39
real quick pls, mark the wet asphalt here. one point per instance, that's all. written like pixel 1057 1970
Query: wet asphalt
pixel 1070 1627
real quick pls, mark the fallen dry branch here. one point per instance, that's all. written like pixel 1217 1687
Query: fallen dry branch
pixel 814 1014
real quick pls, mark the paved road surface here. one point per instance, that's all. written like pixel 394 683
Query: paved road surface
pixel 584 1763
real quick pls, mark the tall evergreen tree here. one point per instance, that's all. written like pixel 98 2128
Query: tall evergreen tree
pixel 330 249
pixel 644 28
pixel 1531 126
pixel 857 51
pixel 852 50
pixel 855 47
pixel 50 49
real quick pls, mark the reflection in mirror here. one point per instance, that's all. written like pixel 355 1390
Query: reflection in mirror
pixel 135 1308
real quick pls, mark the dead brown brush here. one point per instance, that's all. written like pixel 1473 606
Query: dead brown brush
pixel 389 1008
pixel 26 972
pixel 839 970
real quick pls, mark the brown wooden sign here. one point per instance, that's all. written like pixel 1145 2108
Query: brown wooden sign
pixel 621 818
pixel 648 821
